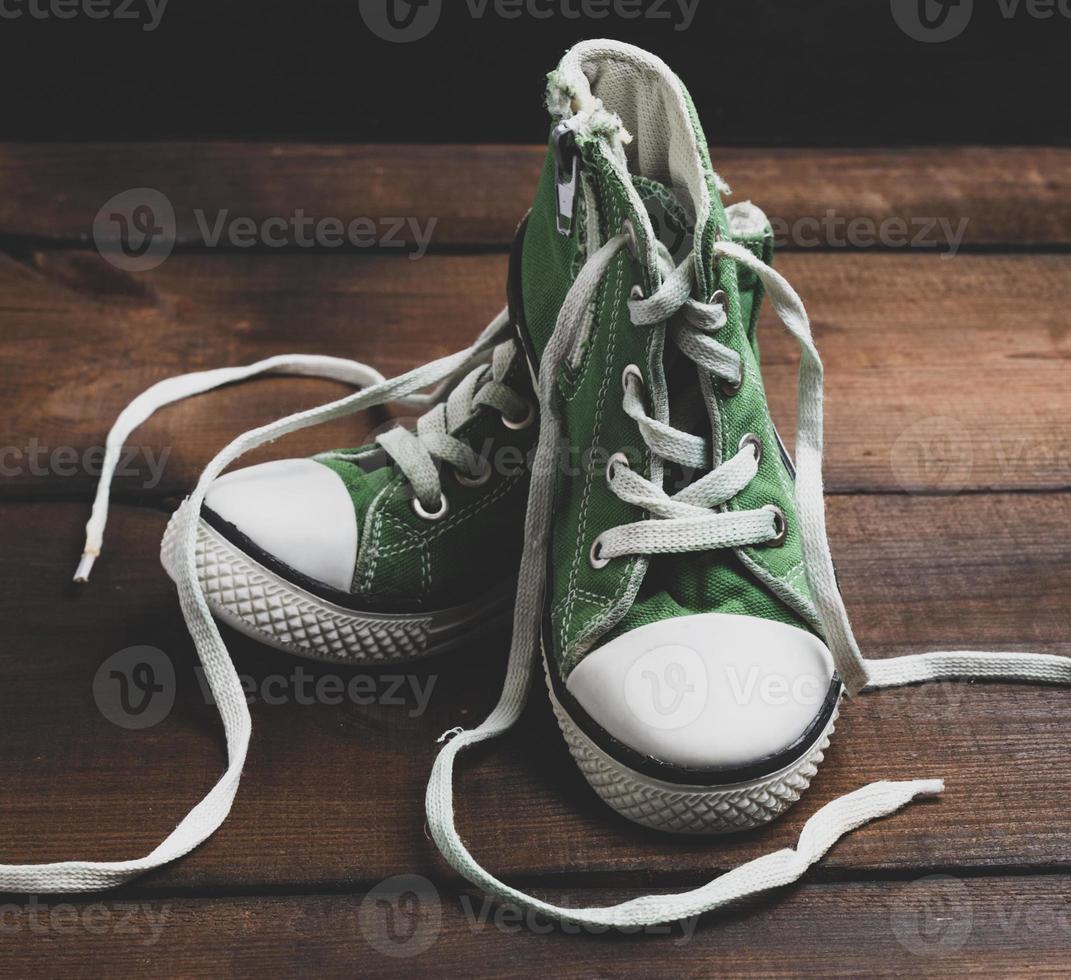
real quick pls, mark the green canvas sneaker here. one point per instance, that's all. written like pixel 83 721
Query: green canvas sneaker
pixel 679 592
pixel 353 556
pixel 380 554
pixel 680 638
pixel 676 586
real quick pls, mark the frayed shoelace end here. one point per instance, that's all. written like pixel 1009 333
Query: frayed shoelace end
pixel 85 566
pixel 930 787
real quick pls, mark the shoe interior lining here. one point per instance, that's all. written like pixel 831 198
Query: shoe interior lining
pixel 659 139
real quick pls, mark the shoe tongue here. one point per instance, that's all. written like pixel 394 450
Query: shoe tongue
pixel 671 220
pixel 632 99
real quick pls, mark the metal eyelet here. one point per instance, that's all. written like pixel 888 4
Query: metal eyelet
pixel 474 481
pixel 721 298
pixel 632 372
pixel 629 230
pixel 730 388
pixel 428 515
pixel 596 559
pixel 636 293
pixel 755 443
pixel 523 423
pixel 780 527
pixel 618 459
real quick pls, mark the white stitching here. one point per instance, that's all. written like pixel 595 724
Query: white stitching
pixel 589 478
pixel 459 518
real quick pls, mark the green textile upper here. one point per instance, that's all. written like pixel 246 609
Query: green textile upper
pixel 588 606
pixel 597 321
pixel 407 563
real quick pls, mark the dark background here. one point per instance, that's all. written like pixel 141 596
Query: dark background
pixel 763 72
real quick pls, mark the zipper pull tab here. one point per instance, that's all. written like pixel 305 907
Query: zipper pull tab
pixel 567 156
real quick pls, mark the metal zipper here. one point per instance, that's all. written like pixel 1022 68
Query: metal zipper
pixel 567 158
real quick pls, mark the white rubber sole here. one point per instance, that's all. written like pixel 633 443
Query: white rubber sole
pixel 683 809
pixel 266 607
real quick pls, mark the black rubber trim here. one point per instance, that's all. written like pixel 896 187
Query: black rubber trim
pixel 680 775
pixel 616 749
pixel 347 600
pixel 515 300
pixel 369 462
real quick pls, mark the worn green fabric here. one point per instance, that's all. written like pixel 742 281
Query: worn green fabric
pixel 587 606
pixel 549 260
pixel 406 563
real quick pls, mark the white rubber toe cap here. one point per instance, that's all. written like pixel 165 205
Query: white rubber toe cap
pixel 711 691
pixel 298 511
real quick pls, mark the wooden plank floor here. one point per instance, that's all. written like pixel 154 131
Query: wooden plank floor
pixel 949 468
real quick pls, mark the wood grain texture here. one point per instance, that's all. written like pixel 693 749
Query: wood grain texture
pixel 942 375
pixel 477 194
pixel 332 795
pixel 943 926
pixel 948 463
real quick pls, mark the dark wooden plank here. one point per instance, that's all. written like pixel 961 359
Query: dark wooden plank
pixel 760 71
pixel 977 195
pixel 933 926
pixel 333 793
pixel 942 374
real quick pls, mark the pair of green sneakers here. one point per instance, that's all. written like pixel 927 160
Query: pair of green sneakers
pixel 666 561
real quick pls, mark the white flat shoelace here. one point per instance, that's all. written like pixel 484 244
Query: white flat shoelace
pixel 416 453
pixel 821 831
pixel 206 816
pixel 687 521
pixel 836 818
